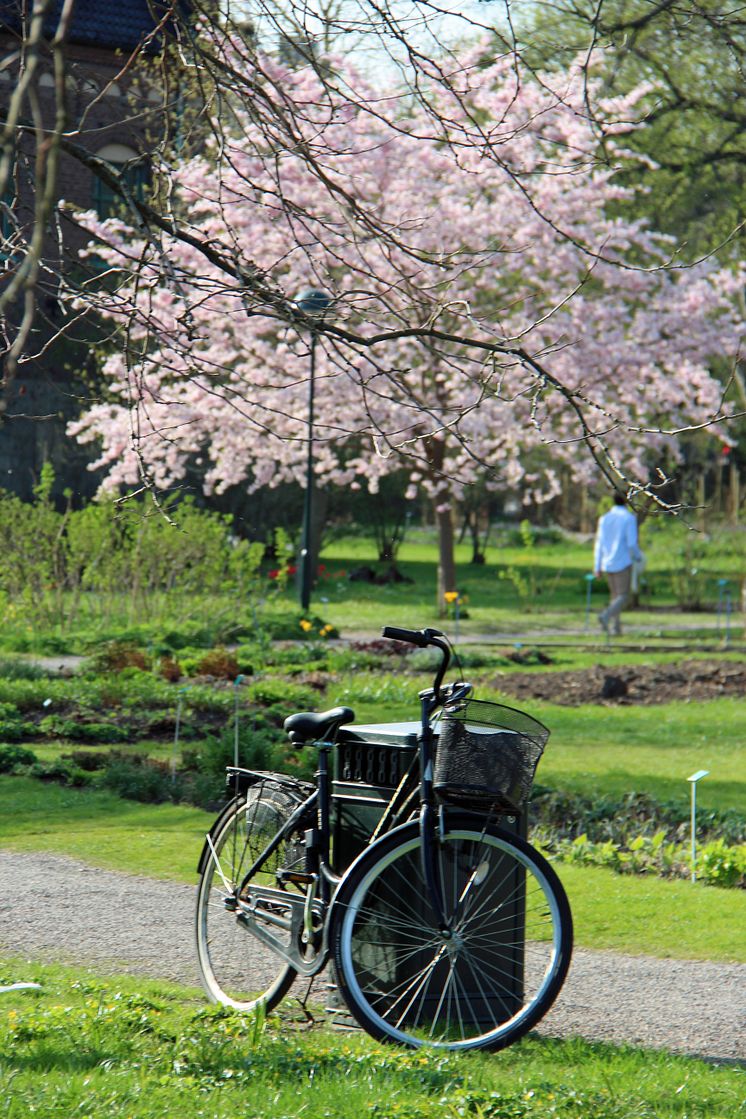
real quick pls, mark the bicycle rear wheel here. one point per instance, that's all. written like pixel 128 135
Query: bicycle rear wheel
pixel 485 981
pixel 235 968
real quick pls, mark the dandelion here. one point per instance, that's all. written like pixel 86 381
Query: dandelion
pixel 305 625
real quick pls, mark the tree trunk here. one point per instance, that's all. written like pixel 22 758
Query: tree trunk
pixel 446 557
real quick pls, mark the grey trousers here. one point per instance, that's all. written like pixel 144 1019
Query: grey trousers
pixel 620 585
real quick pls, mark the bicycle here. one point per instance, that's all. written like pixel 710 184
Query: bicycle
pixel 445 930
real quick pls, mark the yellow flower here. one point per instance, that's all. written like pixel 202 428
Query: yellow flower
pixel 451 596
pixel 305 625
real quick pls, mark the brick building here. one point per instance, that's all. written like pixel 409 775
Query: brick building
pixel 114 110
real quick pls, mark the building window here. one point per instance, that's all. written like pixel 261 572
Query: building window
pixel 134 173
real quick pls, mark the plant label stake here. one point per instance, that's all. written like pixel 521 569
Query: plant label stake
pixel 695 777
pixel 236 685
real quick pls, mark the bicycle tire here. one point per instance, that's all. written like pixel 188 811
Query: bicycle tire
pixel 497 974
pixel 235 968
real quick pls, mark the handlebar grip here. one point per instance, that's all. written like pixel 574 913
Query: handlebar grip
pixel 411 636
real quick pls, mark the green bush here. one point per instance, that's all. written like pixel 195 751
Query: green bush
pixel 139 779
pixel 55 726
pixel 721 865
pixel 108 566
pixel 292 697
pixel 15 730
pixel 61 772
pixel 13 756
pixel 717 864
pixel 262 744
pixel 559 815
pixel 153 782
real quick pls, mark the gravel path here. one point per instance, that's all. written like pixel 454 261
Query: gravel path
pixel 54 908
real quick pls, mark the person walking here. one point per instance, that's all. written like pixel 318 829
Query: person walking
pixel 616 550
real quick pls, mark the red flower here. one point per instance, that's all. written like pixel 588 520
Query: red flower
pixel 291 569
pixel 273 574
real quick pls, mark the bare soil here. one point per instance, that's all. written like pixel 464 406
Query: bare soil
pixel 629 684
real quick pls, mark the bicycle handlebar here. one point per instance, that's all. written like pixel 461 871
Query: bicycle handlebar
pixel 422 638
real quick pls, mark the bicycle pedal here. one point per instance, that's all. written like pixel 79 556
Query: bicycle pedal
pixel 297 877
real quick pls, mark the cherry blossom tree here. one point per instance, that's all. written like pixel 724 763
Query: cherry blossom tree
pixel 491 316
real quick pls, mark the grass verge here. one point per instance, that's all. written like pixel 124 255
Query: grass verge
pixel 87 1046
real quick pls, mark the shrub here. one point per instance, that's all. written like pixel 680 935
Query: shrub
pixel 218 662
pixel 63 772
pixel 718 864
pixel 13 756
pixel 15 730
pixel 152 782
pixel 89 760
pixel 117 655
pixel 169 669
pixel 563 815
pixel 261 745
pixel 56 726
pixel 292 697
pixel 139 779
pixel 721 865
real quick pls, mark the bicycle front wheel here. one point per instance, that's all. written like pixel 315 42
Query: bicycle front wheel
pixel 235 968
pixel 479 983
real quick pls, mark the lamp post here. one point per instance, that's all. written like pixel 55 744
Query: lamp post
pixel 314 304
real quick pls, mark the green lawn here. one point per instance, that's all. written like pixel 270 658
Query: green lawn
pixel 162 841
pixel 549 592
pixel 134 1049
pixel 614 750
pixel 605 750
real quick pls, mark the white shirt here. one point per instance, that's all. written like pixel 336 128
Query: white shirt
pixel 616 540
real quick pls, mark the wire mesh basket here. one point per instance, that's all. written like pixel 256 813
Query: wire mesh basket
pixel 487 755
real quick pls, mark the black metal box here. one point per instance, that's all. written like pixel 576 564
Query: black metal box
pixel 370 763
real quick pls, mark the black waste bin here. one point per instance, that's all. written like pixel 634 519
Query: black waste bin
pixel 371 761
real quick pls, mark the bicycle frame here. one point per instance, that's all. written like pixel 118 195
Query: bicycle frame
pixel 306 917
pixel 306 920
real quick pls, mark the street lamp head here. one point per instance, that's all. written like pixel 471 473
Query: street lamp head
pixel 313 302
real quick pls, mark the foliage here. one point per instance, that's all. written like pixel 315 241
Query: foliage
pixel 691 142
pixel 463 349
pixel 12 757
pixel 218 662
pixel 721 865
pixel 524 580
pixel 717 864
pixel 639 835
pixel 102 564
pixel 61 772
pixel 560 814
